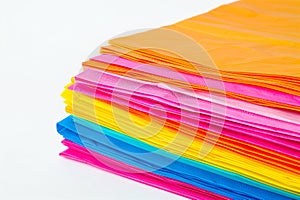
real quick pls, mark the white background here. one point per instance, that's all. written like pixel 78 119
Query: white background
pixel 42 45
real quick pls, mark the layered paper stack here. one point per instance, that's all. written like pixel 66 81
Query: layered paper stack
pixel 207 108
